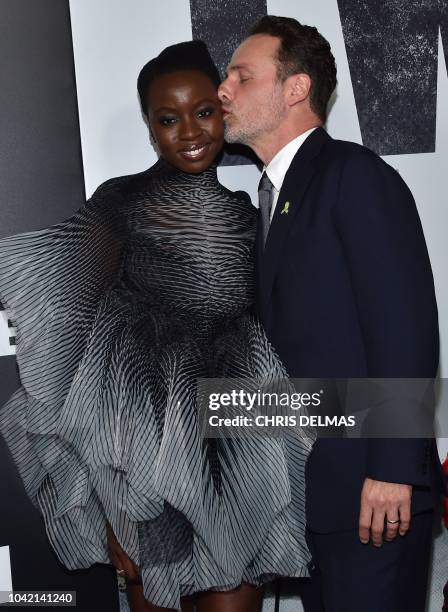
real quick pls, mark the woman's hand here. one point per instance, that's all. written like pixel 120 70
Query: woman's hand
pixel 120 559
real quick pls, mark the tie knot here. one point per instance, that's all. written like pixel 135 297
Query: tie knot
pixel 265 183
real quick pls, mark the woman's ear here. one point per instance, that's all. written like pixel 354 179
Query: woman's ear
pixel 145 118
pixel 298 88
pixel 152 140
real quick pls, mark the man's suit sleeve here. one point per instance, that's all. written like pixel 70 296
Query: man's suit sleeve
pixel 384 247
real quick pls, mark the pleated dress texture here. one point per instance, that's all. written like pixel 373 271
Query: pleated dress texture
pixel 119 310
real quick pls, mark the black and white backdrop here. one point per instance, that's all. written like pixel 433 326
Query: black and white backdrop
pixel 69 119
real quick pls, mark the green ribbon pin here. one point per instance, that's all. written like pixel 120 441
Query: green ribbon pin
pixel 285 210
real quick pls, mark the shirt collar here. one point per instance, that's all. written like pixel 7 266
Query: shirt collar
pixel 279 164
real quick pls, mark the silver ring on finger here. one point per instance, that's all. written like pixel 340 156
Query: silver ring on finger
pixel 393 522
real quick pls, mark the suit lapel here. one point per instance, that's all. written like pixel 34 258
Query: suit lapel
pixel 295 185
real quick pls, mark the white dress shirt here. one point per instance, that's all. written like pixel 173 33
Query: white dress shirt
pixel 279 164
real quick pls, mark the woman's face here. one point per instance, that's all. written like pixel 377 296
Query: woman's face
pixel 185 119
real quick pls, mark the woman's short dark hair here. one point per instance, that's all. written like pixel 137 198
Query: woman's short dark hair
pixel 190 55
pixel 302 49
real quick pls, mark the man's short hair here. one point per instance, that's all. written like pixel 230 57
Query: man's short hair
pixel 302 50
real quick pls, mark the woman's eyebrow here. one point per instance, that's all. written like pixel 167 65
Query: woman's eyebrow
pixel 207 100
pixel 169 109
pixel 165 109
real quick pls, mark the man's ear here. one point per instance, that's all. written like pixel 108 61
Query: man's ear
pixel 298 87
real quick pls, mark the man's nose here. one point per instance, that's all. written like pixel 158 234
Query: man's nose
pixel 224 93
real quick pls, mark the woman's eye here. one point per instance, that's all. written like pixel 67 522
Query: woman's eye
pixel 167 120
pixel 206 112
pixel 243 79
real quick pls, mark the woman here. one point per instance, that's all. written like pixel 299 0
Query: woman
pixel 119 310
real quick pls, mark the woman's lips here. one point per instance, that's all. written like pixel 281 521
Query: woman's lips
pixel 195 153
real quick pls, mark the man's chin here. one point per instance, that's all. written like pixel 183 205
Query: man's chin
pixel 232 136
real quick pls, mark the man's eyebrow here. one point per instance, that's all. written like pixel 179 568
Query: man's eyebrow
pixel 235 67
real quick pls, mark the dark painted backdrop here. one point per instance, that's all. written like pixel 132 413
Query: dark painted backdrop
pixel 42 183
pixel 392 50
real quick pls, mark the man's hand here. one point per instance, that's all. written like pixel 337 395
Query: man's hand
pixel 380 502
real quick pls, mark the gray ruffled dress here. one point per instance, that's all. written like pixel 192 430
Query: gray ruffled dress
pixel 119 310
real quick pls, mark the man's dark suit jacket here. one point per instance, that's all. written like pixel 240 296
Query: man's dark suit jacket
pixel 345 289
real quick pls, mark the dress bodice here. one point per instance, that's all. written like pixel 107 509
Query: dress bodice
pixel 189 243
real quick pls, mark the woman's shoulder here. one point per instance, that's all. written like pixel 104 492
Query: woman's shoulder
pixel 241 199
pixel 124 185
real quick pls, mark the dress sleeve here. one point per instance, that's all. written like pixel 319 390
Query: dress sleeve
pixel 51 282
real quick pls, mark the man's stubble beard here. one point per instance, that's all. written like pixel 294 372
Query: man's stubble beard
pixel 249 130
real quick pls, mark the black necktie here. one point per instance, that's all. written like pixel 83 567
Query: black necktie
pixel 265 197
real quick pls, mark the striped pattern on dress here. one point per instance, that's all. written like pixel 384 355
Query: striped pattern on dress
pixel 119 310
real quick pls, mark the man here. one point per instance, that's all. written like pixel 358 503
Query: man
pixel 345 289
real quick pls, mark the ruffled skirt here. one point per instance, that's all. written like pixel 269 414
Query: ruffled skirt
pixel 105 428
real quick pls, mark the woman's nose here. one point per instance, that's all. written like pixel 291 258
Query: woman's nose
pixel 189 129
